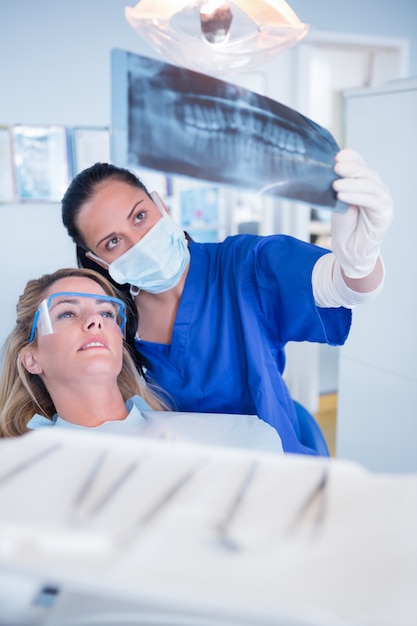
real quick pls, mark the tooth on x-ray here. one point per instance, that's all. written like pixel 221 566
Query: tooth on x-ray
pixel 181 122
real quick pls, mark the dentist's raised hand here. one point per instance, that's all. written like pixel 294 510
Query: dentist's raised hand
pixel 358 233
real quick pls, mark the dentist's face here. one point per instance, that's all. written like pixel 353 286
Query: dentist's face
pixel 116 218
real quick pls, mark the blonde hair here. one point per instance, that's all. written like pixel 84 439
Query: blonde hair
pixel 23 394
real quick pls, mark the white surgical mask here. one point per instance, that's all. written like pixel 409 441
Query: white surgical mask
pixel 157 261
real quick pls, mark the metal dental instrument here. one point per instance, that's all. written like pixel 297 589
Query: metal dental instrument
pixel 316 496
pixel 223 527
pixel 24 465
pixel 89 481
pixel 171 492
pixel 164 500
pixel 114 487
pixel 76 514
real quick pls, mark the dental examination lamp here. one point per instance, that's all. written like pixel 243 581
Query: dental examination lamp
pixel 217 36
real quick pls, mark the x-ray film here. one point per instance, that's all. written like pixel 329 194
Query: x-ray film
pixel 185 123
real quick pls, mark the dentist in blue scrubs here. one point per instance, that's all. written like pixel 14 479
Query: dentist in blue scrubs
pixel 213 319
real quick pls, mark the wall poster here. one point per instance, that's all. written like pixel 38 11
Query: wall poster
pixel 7 191
pixel 41 162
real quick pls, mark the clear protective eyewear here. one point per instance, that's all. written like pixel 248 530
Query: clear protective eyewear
pixel 60 310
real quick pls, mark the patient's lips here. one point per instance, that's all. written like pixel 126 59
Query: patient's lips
pixel 94 342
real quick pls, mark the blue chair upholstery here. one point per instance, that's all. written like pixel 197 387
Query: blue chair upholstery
pixel 310 432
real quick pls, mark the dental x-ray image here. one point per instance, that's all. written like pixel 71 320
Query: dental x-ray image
pixel 185 123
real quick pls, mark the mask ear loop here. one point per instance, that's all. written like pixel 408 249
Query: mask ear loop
pixel 157 200
pixel 134 291
pixel 97 259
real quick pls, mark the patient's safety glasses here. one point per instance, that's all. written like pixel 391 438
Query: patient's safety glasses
pixel 61 310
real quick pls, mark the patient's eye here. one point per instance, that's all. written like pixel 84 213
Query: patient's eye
pixel 108 313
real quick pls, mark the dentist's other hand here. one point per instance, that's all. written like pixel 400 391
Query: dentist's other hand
pixel 358 233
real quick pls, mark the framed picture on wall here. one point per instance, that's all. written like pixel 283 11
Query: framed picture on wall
pixel 7 188
pixel 41 163
pixel 200 212
pixel 89 145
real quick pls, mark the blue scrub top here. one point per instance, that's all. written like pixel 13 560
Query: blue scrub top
pixel 243 300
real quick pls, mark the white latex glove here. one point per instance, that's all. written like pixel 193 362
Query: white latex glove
pixel 358 233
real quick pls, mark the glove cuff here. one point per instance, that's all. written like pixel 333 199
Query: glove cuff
pixel 330 289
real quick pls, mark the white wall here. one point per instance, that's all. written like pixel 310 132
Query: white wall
pixel 55 68
pixel 55 65
pixel 382 18
pixel 55 55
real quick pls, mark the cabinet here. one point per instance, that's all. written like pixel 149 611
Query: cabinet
pixel 377 405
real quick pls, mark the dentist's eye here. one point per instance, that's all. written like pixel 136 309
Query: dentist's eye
pixel 112 243
pixel 139 217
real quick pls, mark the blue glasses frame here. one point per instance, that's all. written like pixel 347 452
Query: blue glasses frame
pixel 102 298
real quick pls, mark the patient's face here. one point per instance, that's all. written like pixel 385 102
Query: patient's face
pixel 88 344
